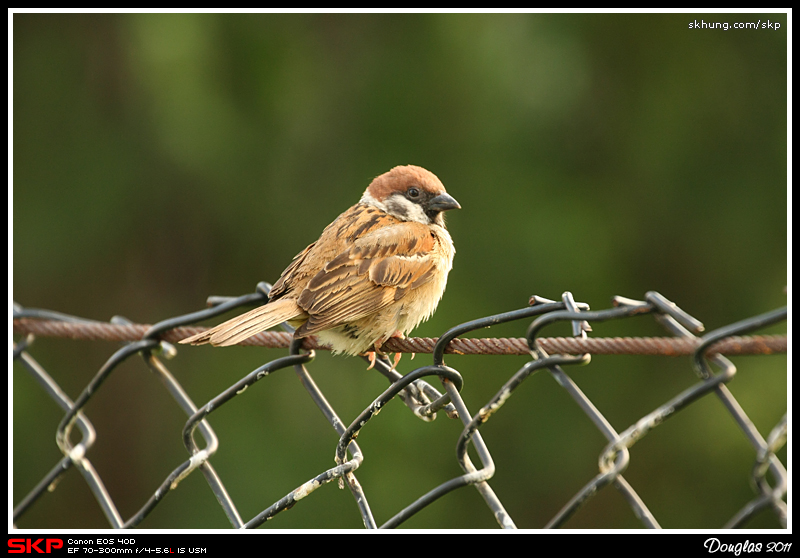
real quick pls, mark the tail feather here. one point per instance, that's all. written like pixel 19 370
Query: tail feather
pixel 241 327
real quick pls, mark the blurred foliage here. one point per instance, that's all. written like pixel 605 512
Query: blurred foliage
pixel 159 159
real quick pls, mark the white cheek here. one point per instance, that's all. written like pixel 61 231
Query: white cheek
pixel 404 209
pixel 398 206
pixel 367 199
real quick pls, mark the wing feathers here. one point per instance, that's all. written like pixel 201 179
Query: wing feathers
pixel 376 271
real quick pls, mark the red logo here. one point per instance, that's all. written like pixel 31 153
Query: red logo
pixel 29 546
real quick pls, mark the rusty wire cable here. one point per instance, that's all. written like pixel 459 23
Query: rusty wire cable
pixel 656 346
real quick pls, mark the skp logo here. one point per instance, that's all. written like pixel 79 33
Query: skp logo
pixel 30 546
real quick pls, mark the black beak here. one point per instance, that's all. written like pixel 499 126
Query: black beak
pixel 442 202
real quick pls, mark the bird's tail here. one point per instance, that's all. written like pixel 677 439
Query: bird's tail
pixel 241 327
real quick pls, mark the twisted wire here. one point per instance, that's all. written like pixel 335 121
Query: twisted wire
pixel 655 346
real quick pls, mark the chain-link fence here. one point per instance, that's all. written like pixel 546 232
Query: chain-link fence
pixel 557 356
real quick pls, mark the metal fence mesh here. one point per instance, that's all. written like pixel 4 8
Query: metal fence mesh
pixel 555 355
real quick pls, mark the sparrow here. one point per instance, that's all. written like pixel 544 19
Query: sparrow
pixel 375 272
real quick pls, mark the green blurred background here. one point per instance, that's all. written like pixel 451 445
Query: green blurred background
pixel 159 159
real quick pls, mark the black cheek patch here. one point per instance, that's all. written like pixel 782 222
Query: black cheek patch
pixel 396 208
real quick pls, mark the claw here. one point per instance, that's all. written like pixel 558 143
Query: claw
pixel 373 355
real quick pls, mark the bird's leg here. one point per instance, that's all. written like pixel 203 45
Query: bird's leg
pixel 373 355
pixel 397 356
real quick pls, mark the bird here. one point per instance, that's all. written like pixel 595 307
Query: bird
pixel 376 272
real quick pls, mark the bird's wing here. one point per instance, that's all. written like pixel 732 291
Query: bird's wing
pixel 378 269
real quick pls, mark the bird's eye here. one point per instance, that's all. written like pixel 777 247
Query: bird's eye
pixel 413 192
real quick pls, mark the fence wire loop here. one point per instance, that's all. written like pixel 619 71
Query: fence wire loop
pixel 153 343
